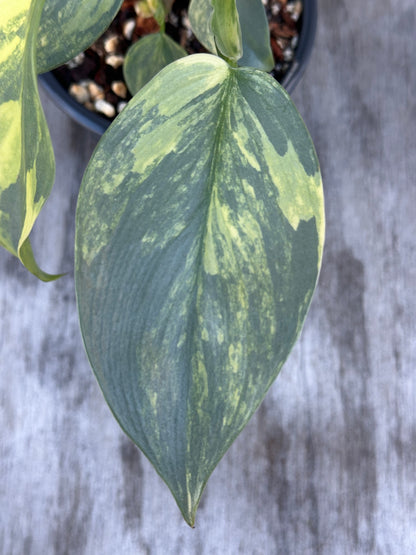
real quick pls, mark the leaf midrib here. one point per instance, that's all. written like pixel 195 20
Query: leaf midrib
pixel 211 184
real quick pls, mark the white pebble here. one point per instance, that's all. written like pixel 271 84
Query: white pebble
pixel 79 92
pixel 128 28
pixel 114 60
pixel 105 108
pixel 119 88
pixel 288 55
pixel 110 44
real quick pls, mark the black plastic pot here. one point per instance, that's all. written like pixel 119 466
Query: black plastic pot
pixel 98 124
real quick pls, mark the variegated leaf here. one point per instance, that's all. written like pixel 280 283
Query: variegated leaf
pixel 147 57
pixel 69 26
pixel 155 8
pixel 216 25
pixel 199 237
pixel 27 165
pixel 255 33
pixel 200 17
pixel 226 29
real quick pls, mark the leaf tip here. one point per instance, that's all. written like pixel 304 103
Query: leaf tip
pixel 27 258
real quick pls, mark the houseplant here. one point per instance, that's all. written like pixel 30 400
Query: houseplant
pixel 286 22
pixel 199 232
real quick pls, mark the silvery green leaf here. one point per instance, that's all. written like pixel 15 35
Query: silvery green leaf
pixel 216 25
pixel 255 33
pixel 199 235
pixel 146 57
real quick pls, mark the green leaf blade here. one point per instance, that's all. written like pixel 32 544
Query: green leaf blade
pixel 147 57
pixel 27 165
pixel 216 25
pixel 200 15
pixel 69 26
pixel 255 33
pixel 196 261
pixel 226 28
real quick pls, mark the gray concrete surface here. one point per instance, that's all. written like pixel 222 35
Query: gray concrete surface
pixel 327 465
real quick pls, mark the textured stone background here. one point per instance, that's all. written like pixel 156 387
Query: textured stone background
pixel 327 465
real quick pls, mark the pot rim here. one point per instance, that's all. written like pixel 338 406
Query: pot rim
pixel 98 124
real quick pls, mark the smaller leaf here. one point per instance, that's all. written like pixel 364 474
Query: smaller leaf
pixel 200 17
pixel 226 27
pixel 216 25
pixel 257 51
pixel 147 57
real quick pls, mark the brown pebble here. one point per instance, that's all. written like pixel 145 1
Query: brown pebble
pixel 96 92
pixel 79 92
pixel 119 88
pixel 111 44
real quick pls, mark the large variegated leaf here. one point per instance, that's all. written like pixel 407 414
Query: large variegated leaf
pixel 69 26
pixel 217 27
pixel 147 57
pixel 255 33
pixel 27 165
pixel 199 238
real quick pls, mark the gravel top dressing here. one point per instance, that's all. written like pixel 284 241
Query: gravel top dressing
pixel 95 77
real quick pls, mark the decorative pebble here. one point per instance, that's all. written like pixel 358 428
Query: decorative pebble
pixel 128 28
pixel 105 108
pixel 79 92
pixel 288 54
pixel 281 43
pixel 119 88
pixel 96 92
pixel 97 77
pixel 114 60
pixel 111 44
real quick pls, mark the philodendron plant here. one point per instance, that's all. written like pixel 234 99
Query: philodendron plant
pixel 199 226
